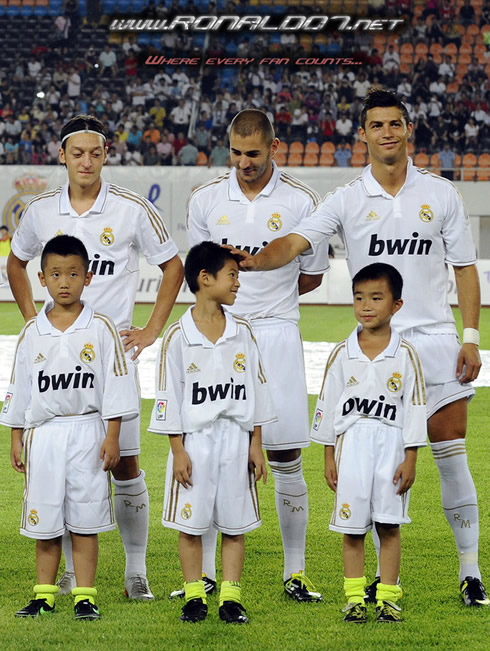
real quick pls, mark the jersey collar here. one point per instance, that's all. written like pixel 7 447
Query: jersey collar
pixel 45 327
pixel 66 208
pixel 354 350
pixel 195 337
pixel 374 189
pixel 235 192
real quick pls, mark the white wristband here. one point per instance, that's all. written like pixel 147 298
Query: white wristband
pixel 471 336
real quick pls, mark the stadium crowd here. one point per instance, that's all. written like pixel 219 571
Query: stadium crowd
pixel 177 115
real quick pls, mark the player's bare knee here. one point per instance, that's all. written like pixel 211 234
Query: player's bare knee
pixel 386 530
pixel 127 468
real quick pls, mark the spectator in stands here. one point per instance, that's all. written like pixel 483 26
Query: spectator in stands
pixel 53 147
pixel 180 114
pixel 113 157
pixel 91 60
pixel 282 122
pixel 219 156
pixel 203 138
pixel 453 34
pixel 131 64
pixel 327 127
pixel 446 11
pixel 13 127
pixel 151 157
pixel 439 133
pixel 467 14
pixel 133 157
pixel 431 8
pixel 188 154
pixel 423 132
pixel 344 128
pixel 447 67
pixel 108 62
pixel 420 30
pixel 447 157
pixel 434 108
pixel 120 147
pixel 178 143
pixel 456 135
pixel 481 117
pixel 153 132
pixel 391 61
pixel 135 136
pixel 435 33
pixel 437 87
pixel 39 154
pixel 342 155
pixel 299 123
pixel 11 151
pixel 33 67
pixel 62 28
pixel 158 113
pixel 74 84
pixel 471 130
pixel 164 149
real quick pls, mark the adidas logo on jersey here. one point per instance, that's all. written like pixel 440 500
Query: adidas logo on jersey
pixel 352 382
pixel 372 216
pixel 193 369
pixel 219 391
pixel 65 381
pixel 39 358
pixel 223 220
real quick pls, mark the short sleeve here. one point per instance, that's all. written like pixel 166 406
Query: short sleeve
pixel 152 235
pixel 197 229
pixel 322 428
pixel 17 398
pixel 26 243
pixel 456 232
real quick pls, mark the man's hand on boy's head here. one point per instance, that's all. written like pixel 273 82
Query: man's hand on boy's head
pixel 247 262
pixel 182 468
pixel 109 453
pixel 405 473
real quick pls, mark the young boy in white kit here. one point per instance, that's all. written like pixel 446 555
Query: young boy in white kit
pixel 69 375
pixel 371 417
pixel 211 399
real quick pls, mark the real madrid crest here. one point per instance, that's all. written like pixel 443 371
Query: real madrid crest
pixel 88 353
pixel 107 237
pixel 344 512
pixel 33 518
pixel 275 224
pixel 394 384
pixel 239 363
pixel 186 512
pixel 426 214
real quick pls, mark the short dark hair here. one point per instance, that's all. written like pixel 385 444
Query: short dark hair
pixel 250 121
pixel 379 270
pixel 209 256
pixel 378 96
pixel 65 245
pixel 82 122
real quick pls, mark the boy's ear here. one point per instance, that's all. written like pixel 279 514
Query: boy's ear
pixel 397 305
pixel 88 278
pixel 203 278
pixel 42 280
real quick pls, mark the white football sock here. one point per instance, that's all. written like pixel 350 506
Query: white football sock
pixel 209 540
pixel 67 551
pixel 292 511
pixel 459 502
pixel 131 506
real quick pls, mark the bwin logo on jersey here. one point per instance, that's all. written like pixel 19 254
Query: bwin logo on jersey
pixel 72 380
pixel 239 363
pixel 399 247
pixel 107 237
pixel 367 407
pixel 218 392
pixel 253 250
pixel 88 353
pixel 394 384
pixel 101 267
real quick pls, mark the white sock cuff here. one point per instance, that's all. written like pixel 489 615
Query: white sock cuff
pixel 443 450
pixel 287 471
pixel 129 482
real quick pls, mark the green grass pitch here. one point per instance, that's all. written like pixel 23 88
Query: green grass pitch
pixel 433 612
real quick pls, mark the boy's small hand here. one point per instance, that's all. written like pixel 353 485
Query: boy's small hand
pixel 109 453
pixel 257 464
pixel 405 474
pixel 16 456
pixel 330 468
pixel 183 469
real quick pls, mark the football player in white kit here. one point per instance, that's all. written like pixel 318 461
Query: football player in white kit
pixel 371 409
pixel 69 374
pixel 405 216
pixel 115 224
pixel 248 207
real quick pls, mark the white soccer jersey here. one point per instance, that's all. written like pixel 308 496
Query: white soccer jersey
pixel 119 225
pixel 420 231
pixel 75 372
pixel 219 211
pixel 198 382
pixel 390 388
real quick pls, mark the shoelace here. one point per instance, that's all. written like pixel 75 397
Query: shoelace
pixel 304 581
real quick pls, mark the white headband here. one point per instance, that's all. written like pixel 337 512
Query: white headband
pixel 74 133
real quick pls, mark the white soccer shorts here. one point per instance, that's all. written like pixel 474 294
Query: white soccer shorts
pixel 281 351
pixel 223 494
pixel 439 356
pixel 367 456
pixel 65 486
